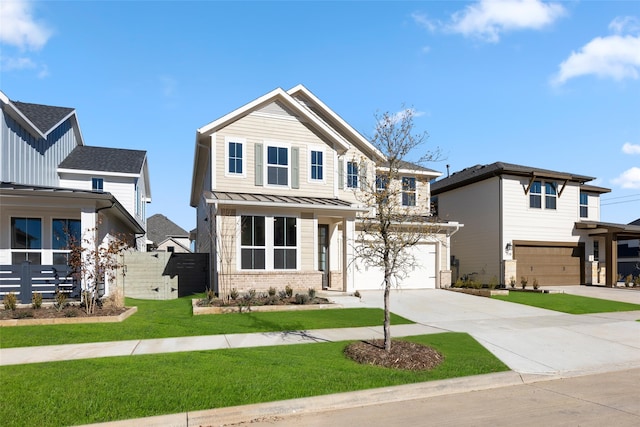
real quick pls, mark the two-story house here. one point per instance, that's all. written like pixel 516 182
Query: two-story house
pixel 528 222
pixel 55 189
pixel 164 235
pixel 276 184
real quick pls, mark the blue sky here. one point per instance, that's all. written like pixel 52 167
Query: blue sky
pixel 547 84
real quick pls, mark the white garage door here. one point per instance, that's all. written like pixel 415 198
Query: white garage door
pixel 422 276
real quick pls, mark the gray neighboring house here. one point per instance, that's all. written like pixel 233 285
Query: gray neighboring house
pixel 629 255
pixel 523 221
pixel 53 186
pixel 164 235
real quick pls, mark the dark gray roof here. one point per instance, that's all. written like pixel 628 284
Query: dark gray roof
pixel 411 166
pixel 636 222
pixel 44 117
pixel 104 159
pixel 481 172
pixel 159 227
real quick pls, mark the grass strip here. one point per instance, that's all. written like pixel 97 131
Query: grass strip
pixel 173 318
pixel 566 303
pixel 108 389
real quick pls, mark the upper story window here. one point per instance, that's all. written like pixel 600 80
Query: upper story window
pixel 235 156
pixel 535 195
pixel 252 243
pixel 97 184
pixel 550 195
pixel 352 175
pixel 584 205
pixel 408 191
pixel 26 240
pixel 277 166
pixel 317 165
pixel 382 181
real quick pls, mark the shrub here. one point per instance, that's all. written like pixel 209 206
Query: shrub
pixel 459 283
pixel 357 293
pixel 536 285
pixel 251 293
pixel 628 280
pixel 289 290
pixel 302 299
pixel 493 283
pixel 271 291
pixel 636 282
pixel 234 294
pixel 36 300
pixel 283 295
pixel 512 282
pixel 10 301
pixel 272 300
pixel 523 282
pixel 61 301
pixel 312 293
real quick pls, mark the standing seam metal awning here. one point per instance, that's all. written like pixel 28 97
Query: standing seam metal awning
pixel 272 200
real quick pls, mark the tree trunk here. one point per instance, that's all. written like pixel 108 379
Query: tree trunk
pixel 387 315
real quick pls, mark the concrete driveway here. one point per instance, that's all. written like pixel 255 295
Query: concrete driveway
pixel 529 340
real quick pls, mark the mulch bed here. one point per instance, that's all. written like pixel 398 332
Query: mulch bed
pixel 52 313
pixel 404 355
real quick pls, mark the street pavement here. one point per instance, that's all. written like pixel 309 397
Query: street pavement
pixel 536 344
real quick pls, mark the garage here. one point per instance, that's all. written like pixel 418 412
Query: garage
pixel 422 276
pixel 550 263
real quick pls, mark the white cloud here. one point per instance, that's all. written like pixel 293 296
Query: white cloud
pixel 19 27
pixel 487 19
pixel 9 64
pixel 424 21
pixel 629 148
pixel 628 179
pixel 625 24
pixel 616 56
pixel 397 117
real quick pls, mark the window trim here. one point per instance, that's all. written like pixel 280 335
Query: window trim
pixel 409 192
pixel 352 176
pixel 548 196
pixel 584 206
pixel 285 246
pixel 95 180
pixel 537 194
pixel 243 160
pixel 323 166
pixel 269 243
pixel 39 251
pixel 266 164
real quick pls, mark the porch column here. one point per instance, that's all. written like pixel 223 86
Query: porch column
pixel 611 259
pixel 348 240
pixel 88 225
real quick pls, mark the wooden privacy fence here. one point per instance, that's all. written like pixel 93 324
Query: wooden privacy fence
pixel 25 279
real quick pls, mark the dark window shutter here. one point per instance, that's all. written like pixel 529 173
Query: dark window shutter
pixel 340 174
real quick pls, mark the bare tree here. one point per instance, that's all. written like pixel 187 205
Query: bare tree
pixel 391 227
pixel 95 259
pixel 223 233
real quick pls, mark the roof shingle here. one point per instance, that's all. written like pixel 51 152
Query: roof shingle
pixel 105 159
pixel 44 117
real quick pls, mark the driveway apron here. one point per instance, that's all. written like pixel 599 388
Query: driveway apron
pixel 527 339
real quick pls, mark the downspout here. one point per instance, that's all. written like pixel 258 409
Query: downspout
pixel 501 267
pixel 449 234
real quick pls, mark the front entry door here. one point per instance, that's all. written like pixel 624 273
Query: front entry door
pixel 323 253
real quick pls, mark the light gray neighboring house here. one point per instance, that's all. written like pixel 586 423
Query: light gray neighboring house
pixel 165 235
pixel 53 186
pixel 523 221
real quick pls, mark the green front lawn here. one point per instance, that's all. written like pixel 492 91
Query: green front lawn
pixel 173 318
pixel 99 390
pixel 566 303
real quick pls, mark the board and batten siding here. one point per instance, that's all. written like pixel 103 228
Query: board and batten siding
pixel 532 224
pixel 262 128
pixel 27 160
pixel 476 245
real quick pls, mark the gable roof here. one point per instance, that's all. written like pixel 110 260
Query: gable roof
pixel 320 117
pixel 38 119
pixel 481 172
pixel 104 159
pixel 159 228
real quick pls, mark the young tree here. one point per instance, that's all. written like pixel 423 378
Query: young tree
pixel 392 227
pixel 95 259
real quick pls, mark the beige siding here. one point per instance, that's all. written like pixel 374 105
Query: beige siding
pixel 524 223
pixel 260 128
pixel 476 246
